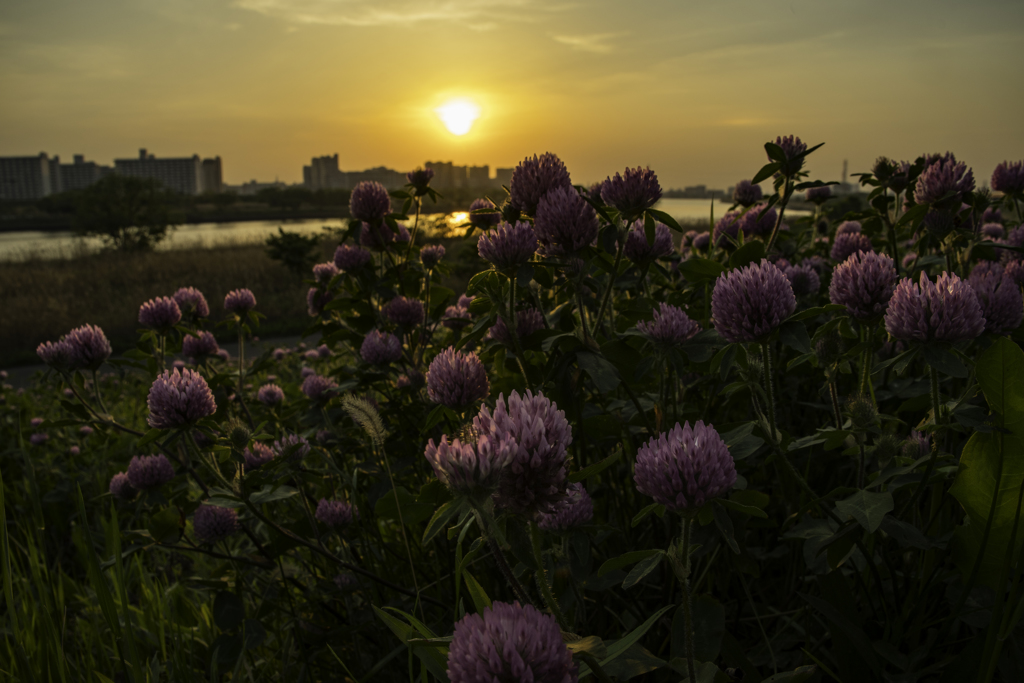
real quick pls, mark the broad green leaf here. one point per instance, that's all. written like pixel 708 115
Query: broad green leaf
pixel 476 592
pixel 642 569
pixel 627 559
pixel 749 253
pixel 228 611
pixel 596 468
pixel 869 509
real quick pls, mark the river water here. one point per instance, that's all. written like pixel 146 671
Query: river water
pixel 18 246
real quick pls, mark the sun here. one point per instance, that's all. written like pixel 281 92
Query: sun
pixel 458 115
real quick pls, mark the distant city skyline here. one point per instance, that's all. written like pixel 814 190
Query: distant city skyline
pixel 691 89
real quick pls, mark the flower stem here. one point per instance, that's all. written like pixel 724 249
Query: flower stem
pixel 834 394
pixel 542 579
pixel 687 600
pixel 787 193
pixel 611 281
pixel 768 384
pixel 583 316
pixel 513 332
pixel 499 558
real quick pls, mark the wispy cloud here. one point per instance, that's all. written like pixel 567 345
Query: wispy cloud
pixel 474 14
pixel 593 42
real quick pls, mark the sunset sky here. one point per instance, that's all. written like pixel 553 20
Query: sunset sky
pixel 691 88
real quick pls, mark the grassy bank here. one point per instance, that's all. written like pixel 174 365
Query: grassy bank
pixel 44 299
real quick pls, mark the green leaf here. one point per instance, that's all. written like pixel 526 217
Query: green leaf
pixel 165 526
pixel 434 659
pixel 767 171
pixel 750 252
pixel 794 335
pixel 148 437
pixel 944 361
pixel 441 517
pixel 696 270
pixel 656 508
pixel 476 592
pixel 228 611
pixel 775 152
pixel 269 494
pixel 621 645
pixel 797 675
pixel 666 219
pixel 602 372
pixel 591 645
pixel 642 569
pixel 627 559
pixel 596 468
pixel 869 509
pixel 725 527
pixel 650 229
pixel 748 510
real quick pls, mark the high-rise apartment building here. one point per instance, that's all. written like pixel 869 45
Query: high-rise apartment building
pixel 29 178
pixel 503 176
pixel 323 174
pixel 478 176
pixel 182 174
pixel 213 177
pixel 81 174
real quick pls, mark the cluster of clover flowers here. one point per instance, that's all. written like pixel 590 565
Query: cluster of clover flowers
pixel 515 459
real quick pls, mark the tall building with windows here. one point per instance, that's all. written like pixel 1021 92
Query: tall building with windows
pixel 212 178
pixel 29 178
pixel 81 174
pixel 503 176
pixel 323 174
pixel 183 174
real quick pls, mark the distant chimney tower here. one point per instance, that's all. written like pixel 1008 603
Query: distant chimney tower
pixel 844 171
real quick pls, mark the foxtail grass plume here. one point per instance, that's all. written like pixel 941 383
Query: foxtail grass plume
pixel 946 310
pixel 685 467
pixel 366 416
pixel 748 304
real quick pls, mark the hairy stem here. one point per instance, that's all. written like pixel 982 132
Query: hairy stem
pixel 687 600
pixel 611 281
pixel 542 578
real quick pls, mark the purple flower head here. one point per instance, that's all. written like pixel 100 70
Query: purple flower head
pixel 376 237
pixel 1009 177
pixel 746 193
pixel 324 272
pixel 727 230
pixel 528 321
pixel 939 223
pixel 670 327
pixel 161 314
pixel 431 255
pixel 1000 298
pixel 55 354
pixel 639 251
pixel 565 222
pixel 702 241
pixel 535 478
pixel 457 380
pixel 318 387
pixel 36 421
pixel 380 348
pixel 239 301
pixel 576 510
pixel 632 193
pixel 306 371
pixel 223 354
pixel 945 310
pixel 992 215
pixel 472 469
pixel 509 643
pixel 74 450
pixel 85 430
pixel 414 379
pixel 792 147
pixel 311 355
pixel 818 195
pixel 370 202
pixel 420 179
pixel 993 231
pixel 464 301
pixel 849 243
pixel 534 178
pixel 293 446
pixel 213 524
pixel 484 220
pixel 864 283
pixel 1015 271
pixel 508 246
pixel 324 351
pixel 757 222
pixel 256 455
pixel 404 312
pixel 917 445
pixel 88 347
pixel 149 471
pixel 177 399
pixel 849 227
pixel 909 259
pixel 336 513
pixel 685 467
pixel 403 233
pixel 687 240
pixel 192 302
pixel 803 278
pixel 39 438
pixel 199 347
pixel 748 304
pixel 941 178
pixel 456 317
pixel 121 488
pixel 316 299
pixel 348 258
